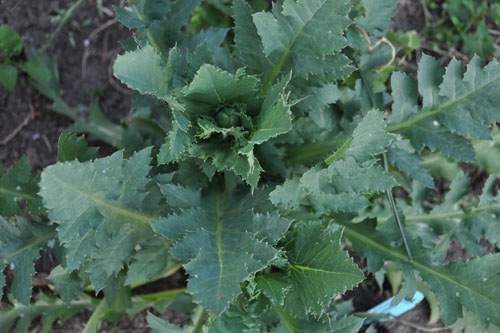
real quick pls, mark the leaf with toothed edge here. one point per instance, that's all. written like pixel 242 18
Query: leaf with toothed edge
pixel 20 246
pixel 107 197
pixel 233 241
pixel 303 35
pixel 18 185
pixel 320 270
pixel 471 284
pixel 456 104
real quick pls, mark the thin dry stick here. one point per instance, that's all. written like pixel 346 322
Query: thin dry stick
pixel 382 40
pixel 25 122
pixel 47 143
pixel 87 42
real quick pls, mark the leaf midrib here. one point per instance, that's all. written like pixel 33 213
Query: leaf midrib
pixel 277 68
pixel 219 215
pixel 20 194
pixel 323 271
pixel 458 214
pixel 350 233
pixel 33 242
pixel 431 113
pixel 118 210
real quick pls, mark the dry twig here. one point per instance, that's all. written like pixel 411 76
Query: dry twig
pixel 25 122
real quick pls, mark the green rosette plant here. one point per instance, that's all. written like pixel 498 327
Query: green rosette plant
pixel 255 157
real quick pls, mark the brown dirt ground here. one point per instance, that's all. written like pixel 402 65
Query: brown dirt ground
pixel 79 81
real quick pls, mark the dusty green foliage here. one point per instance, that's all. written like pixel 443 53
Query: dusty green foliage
pixel 254 154
pixel 466 26
pixel 11 45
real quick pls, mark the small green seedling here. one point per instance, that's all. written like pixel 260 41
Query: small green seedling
pixel 11 46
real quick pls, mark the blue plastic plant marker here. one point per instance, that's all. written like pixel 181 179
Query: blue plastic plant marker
pixel 385 308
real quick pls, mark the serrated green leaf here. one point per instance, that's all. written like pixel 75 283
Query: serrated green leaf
pixel 402 155
pixel 289 194
pixel 68 285
pixel 471 284
pixel 116 253
pixel 378 16
pixel 17 185
pixel 181 197
pixel 20 246
pixel 247 39
pixel 10 41
pixel 274 286
pixel 212 87
pixel 128 17
pixel 275 117
pixel 320 270
pixel 150 261
pixel 181 12
pixel 176 144
pixel 71 147
pixel 224 157
pixel 440 139
pixel 347 176
pixel 301 35
pixel 488 152
pixel 369 138
pixel 158 325
pixel 467 224
pixel 156 9
pixel 317 104
pixel 233 245
pixel 457 102
pixel 8 76
pixel 352 173
pixel 245 315
pixel 347 324
pixel 404 93
pixel 144 70
pixel 107 198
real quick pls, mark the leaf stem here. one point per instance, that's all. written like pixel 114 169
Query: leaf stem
pixel 198 318
pixel 396 215
pixel 451 215
pixel 286 319
pixel 95 319
pixel 431 113
pixel 313 152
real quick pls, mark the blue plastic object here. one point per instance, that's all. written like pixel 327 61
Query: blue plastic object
pixel 385 308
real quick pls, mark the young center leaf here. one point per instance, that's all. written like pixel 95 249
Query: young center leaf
pixel 224 118
pixel 235 241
